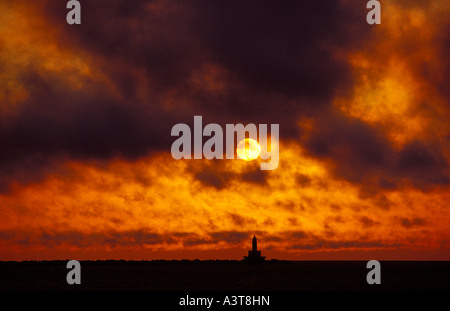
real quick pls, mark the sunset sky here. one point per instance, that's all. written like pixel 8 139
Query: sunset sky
pixel 86 113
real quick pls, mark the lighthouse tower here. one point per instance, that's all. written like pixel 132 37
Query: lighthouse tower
pixel 254 256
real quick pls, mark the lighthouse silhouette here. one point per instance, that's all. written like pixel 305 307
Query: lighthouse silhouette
pixel 254 256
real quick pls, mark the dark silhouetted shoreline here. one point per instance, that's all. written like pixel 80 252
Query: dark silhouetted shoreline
pixel 224 275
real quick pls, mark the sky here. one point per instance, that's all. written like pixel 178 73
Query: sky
pixel 86 113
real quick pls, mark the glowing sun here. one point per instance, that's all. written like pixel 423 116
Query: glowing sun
pixel 248 149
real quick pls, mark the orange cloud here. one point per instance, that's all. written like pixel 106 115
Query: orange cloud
pixel 298 209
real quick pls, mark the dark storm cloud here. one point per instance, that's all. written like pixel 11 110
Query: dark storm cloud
pixel 239 220
pixel 360 153
pixel 323 244
pixel 198 241
pixel 152 35
pixel 62 121
pixel 354 145
pixel 135 238
pixel 232 237
pixel 302 180
pixel 26 170
pixel 299 235
pixel 58 123
pixel 256 176
pixel 89 122
pixel 412 222
pixel 280 46
pixel 444 62
pixel 280 63
pixel 271 48
pixel 229 237
pixel 80 239
pixel 276 53
pixel 215 178
pixel 367 222
pixel 216 174
pixel 280 55
pixel 190 239
pixel 423 162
